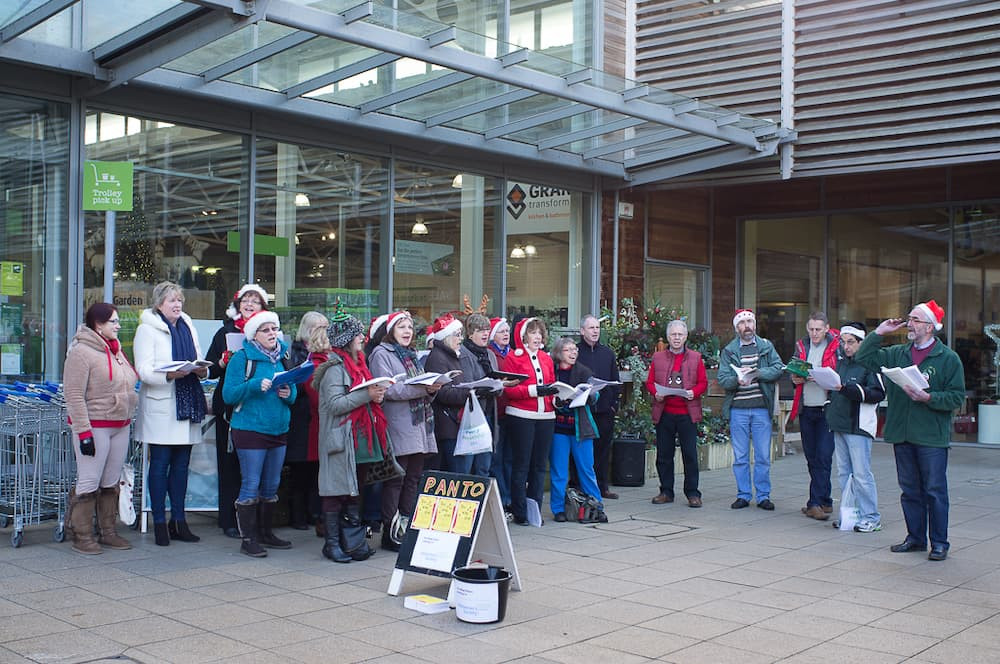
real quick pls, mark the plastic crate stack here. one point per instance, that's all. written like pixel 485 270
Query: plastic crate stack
pixel 37 465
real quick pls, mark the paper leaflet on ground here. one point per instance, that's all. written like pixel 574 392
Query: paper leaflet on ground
pixel 293 376
pixel 385 381
pixel 426 604
pixel 183 365
pixel 904 376
pixel 664 391
pixel 491 384
pixel 826 378
pixel 431 378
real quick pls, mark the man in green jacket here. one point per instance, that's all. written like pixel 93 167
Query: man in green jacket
pixel 918 422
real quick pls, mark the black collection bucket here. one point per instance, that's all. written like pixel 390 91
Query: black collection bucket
pixel 481 594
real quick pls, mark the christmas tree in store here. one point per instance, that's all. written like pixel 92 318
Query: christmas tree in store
pixel 134 246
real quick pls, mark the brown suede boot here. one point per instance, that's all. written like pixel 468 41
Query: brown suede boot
pixel 80 520
pixel 107 515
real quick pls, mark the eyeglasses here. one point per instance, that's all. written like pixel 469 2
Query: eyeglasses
pixel 914 319
pixel 265 330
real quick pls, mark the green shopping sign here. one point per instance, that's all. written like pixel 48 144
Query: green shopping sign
pixel 107 185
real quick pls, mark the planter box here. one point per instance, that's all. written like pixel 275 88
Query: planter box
pixel 653 474
pixel 715 456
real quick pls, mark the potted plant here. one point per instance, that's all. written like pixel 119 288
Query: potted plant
pixel 714 448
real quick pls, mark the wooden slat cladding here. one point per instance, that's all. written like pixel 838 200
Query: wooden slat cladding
pixel 878 84
pixel 614 37
pixel 884 84
pixel 727 53
pixel 677 226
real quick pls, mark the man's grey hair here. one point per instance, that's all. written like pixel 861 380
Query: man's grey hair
pixel 586 317
pixel 677 323
pixel 820 316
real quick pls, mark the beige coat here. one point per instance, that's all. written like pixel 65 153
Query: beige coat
pixel 98 385
pixel 157 420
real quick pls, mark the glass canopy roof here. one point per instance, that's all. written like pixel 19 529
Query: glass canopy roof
pixel 364 64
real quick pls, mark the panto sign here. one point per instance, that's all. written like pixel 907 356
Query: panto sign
pixel 458 520
pixel 107 185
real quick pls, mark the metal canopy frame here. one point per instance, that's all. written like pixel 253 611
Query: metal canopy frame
pixel 582 118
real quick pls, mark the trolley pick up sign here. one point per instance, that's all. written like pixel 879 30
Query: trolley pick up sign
pixel 458 520
pixel 107 185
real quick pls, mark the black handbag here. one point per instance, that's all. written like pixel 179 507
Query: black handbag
pixel 386 469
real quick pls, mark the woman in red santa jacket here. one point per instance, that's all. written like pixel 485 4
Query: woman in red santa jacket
pixel 530 419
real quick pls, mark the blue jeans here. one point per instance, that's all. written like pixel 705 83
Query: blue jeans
pixel 261 471
pixel 669 429
pixel 501 462
pixel 854 456
pixel 583 458
pixel 168 474
pixel 744 424
pixel 530 442
pixel 817 446
pixel 467 464
pixel 923 479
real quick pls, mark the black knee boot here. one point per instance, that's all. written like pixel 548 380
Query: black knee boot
pixel 354 534
pixel 331 547
pixel 265 534
pixel 246 521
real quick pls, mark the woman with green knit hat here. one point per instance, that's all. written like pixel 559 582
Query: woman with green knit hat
pixel 352 434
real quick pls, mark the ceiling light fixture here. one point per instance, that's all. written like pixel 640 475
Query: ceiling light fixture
pixel 530 251
pixel 301 200
pixel 419 228
pixel 457 182
pixel 517 252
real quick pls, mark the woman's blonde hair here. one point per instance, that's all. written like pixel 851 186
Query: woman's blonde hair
pixel 163 290
pixel 309 320
pixel 319 340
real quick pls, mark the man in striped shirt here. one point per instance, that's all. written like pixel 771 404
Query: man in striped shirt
pixel 748 370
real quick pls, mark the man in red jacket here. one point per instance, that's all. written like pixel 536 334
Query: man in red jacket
pixel 819 349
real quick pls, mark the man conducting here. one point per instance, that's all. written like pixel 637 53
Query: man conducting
pixel 918 422
pixel 748 370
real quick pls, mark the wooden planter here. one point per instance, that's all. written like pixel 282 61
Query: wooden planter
pixel 715 456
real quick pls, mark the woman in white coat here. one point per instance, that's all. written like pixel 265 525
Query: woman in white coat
pixel 171 406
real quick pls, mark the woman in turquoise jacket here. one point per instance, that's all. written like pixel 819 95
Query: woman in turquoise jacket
pixel 258 429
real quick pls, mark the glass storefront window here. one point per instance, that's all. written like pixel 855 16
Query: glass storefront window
pixel 34 171
pixel 675 285
pixel 190 195
pixel 319 214
pixel 445 240
pixel 783 262
pixel 545 263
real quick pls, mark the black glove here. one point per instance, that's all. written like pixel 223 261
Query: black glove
pixel 560 403
pixel 546 390
pixel 483 392
pixel 87 447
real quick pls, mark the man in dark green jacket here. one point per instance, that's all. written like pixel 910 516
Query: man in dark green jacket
pixel 918 422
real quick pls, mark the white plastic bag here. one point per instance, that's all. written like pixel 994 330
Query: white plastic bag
pixel 849 515
pixel 126 491
pixel 474 435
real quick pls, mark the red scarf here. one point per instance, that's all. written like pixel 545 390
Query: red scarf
pixel 239 323
pixel 370 427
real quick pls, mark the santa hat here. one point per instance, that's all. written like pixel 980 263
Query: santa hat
pixel 932 312
pixel 377 322
pixel 394 318
pixel 234 307
pixel 518 337
pixel 743 314
pixel 254 322
pixel 497 324
pixel 443 327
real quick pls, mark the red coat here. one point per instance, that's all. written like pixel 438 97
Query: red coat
pixel 521 399
pixel 312 452
pixel 829 360
pixel 693 377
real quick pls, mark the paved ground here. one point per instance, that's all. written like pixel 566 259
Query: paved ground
pixel 665 583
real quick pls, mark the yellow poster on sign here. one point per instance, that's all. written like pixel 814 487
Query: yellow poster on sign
pixel 11 278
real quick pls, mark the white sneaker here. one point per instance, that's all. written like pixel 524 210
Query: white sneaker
pixel 868 527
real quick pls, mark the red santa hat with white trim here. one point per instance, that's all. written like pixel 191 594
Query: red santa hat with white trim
pixel 497 324
pixel 443 327
pixel 932 312
pixel 376 324
pixel 394 318
pixel 743 314
pixel 234 307
pixel 517 339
